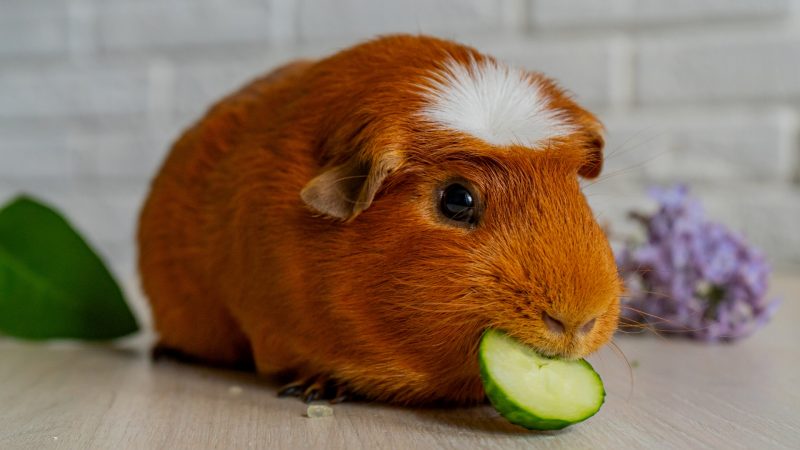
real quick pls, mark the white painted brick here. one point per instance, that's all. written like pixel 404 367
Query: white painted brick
pixel 32 36
pixel 60 90
pixel 716 68
pixel 103 211
pixel 708 146
pixel 42 154
pixel 120 257
pixel 82 30
pixel 33 28
pixel 130 156
pixel 766 215
pixel 583 67
pixel 612 200
pixel 587 72
pixel 107 214
pixel 101 151
pixel 199 84
pixel 324 19
pixel 35 157
pixel 152 24
pixel 559 13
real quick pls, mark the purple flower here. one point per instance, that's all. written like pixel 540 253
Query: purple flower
pixel 693 277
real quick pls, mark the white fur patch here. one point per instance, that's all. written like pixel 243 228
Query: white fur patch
pixel 499 104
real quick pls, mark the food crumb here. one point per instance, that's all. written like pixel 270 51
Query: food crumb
pixel 635 363
pixel 235 390
pixel 315 411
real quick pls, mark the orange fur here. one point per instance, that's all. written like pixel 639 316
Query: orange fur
pixel 393 300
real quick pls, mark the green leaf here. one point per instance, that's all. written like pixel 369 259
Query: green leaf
pixel 52 284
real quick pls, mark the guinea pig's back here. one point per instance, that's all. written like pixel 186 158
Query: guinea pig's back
pixel 187 218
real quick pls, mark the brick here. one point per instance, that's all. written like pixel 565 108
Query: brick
pixel 103 210
pixel 360 19
pixel 706 145
pixel 198 84
pixel 34 36
pixel 766 215
pixel 612 199
pixel 82 36
pixel 63 90
pixel 40 155
pixel 150 24
pixel 637 13
pixel 120 256
pixel 34 28
pixel 718 68
pixel 37 158
pixel 125 150
pixel 129 156
pixel 589 72
pixel 586 68
pixel 107 211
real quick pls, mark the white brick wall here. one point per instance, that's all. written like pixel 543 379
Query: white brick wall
pixel 33 28
pixel 58 90
pixel 700 91
pixel 646 13
pixel 323 19
pixel 754 66
pixel 176 24
pixel 704 146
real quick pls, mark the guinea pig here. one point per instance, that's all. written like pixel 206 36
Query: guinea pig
pixel 357 222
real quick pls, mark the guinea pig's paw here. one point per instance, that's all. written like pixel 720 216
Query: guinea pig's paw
pixel 317 387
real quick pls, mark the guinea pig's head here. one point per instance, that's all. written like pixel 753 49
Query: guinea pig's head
pixel 454 185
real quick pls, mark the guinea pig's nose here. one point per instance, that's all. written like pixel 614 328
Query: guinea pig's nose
pixel 587 327
pixel 552 323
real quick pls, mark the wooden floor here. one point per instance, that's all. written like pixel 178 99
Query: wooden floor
pixel 683 395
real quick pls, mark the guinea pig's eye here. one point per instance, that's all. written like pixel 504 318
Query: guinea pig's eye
pixel 458 204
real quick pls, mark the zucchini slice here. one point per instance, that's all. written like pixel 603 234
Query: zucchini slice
pixel 534 391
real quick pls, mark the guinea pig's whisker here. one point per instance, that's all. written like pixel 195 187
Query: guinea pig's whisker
pixel 640 327
pixel 621 149
pixel 632 324
pixel 623 171
pixel 662 319
pixel 588 184
pixel 622 355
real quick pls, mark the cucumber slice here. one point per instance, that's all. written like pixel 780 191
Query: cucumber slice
pixel 534 391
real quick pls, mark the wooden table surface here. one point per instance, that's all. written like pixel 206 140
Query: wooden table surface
pixel 683 395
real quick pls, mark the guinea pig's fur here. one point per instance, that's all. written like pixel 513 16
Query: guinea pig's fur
pixel 297 225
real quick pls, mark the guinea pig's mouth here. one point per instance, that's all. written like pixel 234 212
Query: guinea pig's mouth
pixel 542 348
pixel 569 354
pixel 567 345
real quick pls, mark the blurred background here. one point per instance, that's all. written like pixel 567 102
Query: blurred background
pixel 707 92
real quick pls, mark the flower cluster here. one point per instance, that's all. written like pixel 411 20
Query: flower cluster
pixel 692 276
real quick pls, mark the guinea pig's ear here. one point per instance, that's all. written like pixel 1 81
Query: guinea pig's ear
pixel 593 144
pixel 343 191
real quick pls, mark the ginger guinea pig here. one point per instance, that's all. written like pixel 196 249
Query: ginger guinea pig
pixel 357 222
